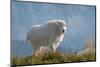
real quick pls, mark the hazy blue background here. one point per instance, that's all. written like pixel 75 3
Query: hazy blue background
pixel 80 20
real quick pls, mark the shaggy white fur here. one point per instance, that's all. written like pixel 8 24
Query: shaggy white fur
pixel 49 34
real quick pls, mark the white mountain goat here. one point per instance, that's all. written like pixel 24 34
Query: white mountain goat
pixel 49 34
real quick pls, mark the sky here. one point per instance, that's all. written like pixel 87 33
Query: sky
pixel 79 18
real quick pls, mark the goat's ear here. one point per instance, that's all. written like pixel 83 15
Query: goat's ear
pixel 59 23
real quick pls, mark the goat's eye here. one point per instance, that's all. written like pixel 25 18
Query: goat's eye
pixel 63 30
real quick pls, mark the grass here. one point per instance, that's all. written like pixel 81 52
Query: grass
pixel 59 57
pixel 51 57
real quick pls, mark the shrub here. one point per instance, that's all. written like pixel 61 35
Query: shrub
pixel 51 57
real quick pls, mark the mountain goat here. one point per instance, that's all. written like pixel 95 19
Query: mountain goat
pixel 49 34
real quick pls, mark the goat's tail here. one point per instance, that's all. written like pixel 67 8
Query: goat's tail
pixel 27 38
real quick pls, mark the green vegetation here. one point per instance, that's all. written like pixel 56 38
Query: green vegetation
pixel 51 57
pixel 87 54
